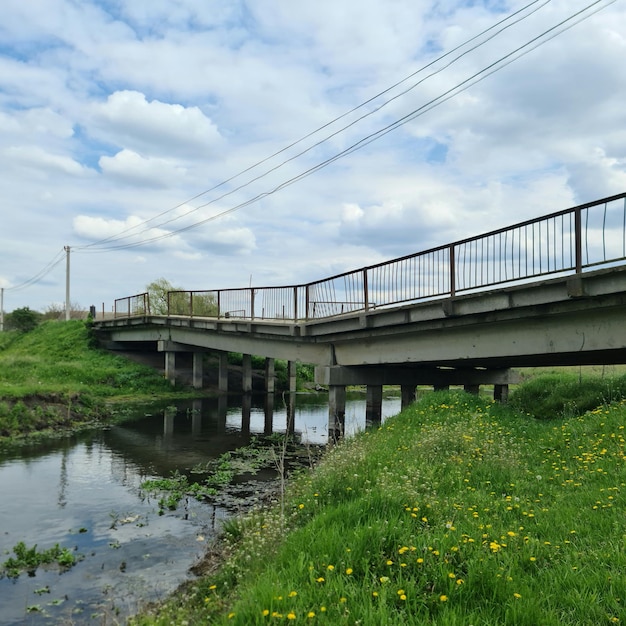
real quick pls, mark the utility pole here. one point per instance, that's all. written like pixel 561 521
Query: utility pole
pixel 67 282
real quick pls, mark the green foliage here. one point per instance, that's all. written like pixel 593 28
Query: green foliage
pixel 29 559
pixel 22 320
pixel 157 292
pixel 52 377
pixel 566 395
pixel 457 511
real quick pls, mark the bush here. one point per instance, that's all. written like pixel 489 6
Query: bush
pixel 557 396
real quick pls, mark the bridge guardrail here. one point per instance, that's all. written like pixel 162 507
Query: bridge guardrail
pixel 570 240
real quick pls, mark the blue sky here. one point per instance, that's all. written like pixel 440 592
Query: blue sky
pixel 118 112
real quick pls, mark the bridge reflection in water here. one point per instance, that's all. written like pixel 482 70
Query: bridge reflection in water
pixel 224 418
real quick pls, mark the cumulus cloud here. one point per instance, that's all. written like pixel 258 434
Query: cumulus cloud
pixel 154 127
pixel 44 162
pixel 129 167
pixel 112 113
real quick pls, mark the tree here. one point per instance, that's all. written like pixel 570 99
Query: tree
pixel 157 293
pixel 181 302
pixel 23 320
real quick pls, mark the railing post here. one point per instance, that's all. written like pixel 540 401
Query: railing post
pixel 251 303
pixel 366 295
pixel 128 307
pixel 168 302
pixel 218 303
pixel 147 307
pixel 452 272
pixel 191 304
pixel 578 239
pixel 295 304
pixel 307 302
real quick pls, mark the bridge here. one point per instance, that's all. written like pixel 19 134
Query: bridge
pixel 547 291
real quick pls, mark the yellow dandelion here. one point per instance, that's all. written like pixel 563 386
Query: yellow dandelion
pixel 389 562
pixel 291 615
pixel 310 614
pixel 265 612
pixel 375 594
pixel 330 568
pixel 420 560
pixel 301 506
pixel 343 600
pixel 384 579
pixel 517 596
pixel 349 571
pixel 293 594
pixel 443 598
pixel 320 579
pixel 451 575
pixel 231 615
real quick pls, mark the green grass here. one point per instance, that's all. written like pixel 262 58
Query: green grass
pixel 457 511
pixel 53 377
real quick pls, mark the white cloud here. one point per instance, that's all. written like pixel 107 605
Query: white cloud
pixel 129 167
pixel 44 162
pixel 155 127
pixel 115 112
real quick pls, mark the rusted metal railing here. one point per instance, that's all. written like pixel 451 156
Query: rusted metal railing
pixel 132 306
pixel 568 241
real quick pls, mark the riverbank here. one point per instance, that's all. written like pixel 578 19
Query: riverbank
pixel 457 511
pixel 54 379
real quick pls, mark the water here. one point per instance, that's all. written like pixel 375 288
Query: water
pixel 84 493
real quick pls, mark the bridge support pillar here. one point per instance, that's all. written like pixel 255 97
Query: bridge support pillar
pixel 408 395
pixel 170 367
pixel 473 389
pixel 268 426
pixel 336 412
pixel 291 372
pixel 246 381
pixel 223 372
pixel 501 393
pixel 197 370
pixel 270 379
pixel 373 405
pixel 246 411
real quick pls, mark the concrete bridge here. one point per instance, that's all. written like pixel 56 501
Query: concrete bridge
pixel 550 291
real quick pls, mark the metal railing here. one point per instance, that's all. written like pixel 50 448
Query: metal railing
pixel 132 306
pixel 571 240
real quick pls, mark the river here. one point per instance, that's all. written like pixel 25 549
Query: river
pixel 83 493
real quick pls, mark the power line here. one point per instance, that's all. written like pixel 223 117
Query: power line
pixel 41 274
pixel 490 69
pixel 124 234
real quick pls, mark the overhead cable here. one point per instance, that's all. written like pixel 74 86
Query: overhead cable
pixel 126 234
pixel 490 69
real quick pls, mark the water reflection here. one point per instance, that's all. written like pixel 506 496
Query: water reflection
pixel 84 492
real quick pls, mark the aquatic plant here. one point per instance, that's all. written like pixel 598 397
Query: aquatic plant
pixel 29 559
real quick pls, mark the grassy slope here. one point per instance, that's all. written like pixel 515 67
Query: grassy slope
pixel 52 376
pixel 457 511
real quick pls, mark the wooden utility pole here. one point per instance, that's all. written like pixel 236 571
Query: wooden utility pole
pixel 67 283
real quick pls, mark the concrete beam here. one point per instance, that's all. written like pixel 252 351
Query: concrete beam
pixel 246 372
pixel 270 375
pixel 397 375
pixel 198 372
pixel 222 382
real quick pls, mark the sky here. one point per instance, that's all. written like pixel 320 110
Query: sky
pixel 228 143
